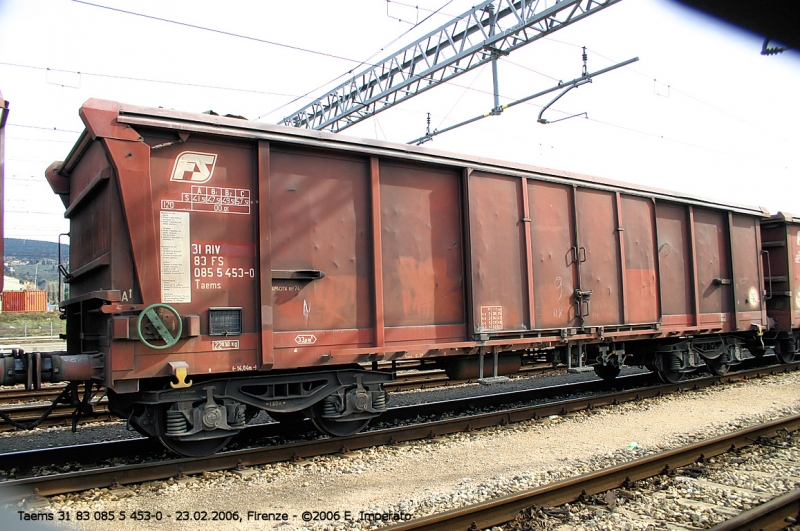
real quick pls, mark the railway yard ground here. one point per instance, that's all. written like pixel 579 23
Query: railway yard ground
pixel 360 489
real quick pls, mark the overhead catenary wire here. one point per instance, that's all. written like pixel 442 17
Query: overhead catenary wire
pixel 39 139
pixel 56 129
pixel 264 41
pixel 199 85
pixel 148 80
pixel 463 93
pixel 295 97
pixel 507 60
pixel 488 30
pixel 360 63
pixel 567 86
pixel 437 11
pixel 433 12
pixel 36 212
pixel 672 87
pixel 218 31
pixel 365 62
pixel 466 88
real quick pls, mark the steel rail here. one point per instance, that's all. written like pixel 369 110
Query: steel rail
pixel 18 395
pixel 61 415
pixel 236 459
pixel 506 508
pixel 770 516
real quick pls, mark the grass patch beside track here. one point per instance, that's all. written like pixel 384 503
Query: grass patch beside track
pixel 31 324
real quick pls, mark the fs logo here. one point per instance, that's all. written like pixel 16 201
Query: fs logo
pixel 193 167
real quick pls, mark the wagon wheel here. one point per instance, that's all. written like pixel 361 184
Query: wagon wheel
pixel 719 366
pixel 336 428
pixel 670 376
pixel 607 372
pixel 670 369
pixel 787 350
pixel 198 448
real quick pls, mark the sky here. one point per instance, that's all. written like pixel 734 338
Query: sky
pixel 701 112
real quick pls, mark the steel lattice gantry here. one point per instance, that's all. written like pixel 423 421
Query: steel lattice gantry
pixel 492 28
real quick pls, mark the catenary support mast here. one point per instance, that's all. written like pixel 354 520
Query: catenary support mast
pixel 479 36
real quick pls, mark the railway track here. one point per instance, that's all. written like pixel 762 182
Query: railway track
pixel 14 396
pixel 61 415
pixel 503 510
pixel 103 473
pixel 38 401
pixel 773 515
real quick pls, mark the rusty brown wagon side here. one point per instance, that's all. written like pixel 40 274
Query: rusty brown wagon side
pixel 780 241
pixel 221 266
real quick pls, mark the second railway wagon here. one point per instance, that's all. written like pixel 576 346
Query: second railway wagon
pixel 220 267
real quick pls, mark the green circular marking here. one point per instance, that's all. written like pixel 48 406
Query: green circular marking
pixel 162 330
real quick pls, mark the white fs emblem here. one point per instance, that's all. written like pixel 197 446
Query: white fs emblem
pixel 193 167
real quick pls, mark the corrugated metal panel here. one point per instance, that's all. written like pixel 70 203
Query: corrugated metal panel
pixel 25 301
pixel 320 221
pixel 600 262
pixel 640 264
pixel 675 260
pixel 552 229
pixel 713 262
pixel 745 259
pixel 421 246
pixel 498 254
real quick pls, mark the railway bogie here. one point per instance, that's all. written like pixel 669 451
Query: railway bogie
pixel 221 267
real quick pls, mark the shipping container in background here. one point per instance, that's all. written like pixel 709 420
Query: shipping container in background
pixel 24 301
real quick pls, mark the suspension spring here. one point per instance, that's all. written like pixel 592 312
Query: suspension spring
pixel 329 407
pixel 675 362
pixel 176 423
pixel 379 401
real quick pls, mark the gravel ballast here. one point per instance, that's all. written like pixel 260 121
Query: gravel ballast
pixel 422 478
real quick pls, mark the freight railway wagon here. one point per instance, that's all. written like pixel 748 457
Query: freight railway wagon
pixel 221 267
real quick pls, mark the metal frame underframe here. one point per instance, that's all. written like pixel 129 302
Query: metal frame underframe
pixel 463 44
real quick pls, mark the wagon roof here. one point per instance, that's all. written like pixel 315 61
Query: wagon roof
pixel 232 127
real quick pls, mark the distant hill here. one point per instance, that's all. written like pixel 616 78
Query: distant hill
pixel 34 250
pixel 35 261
